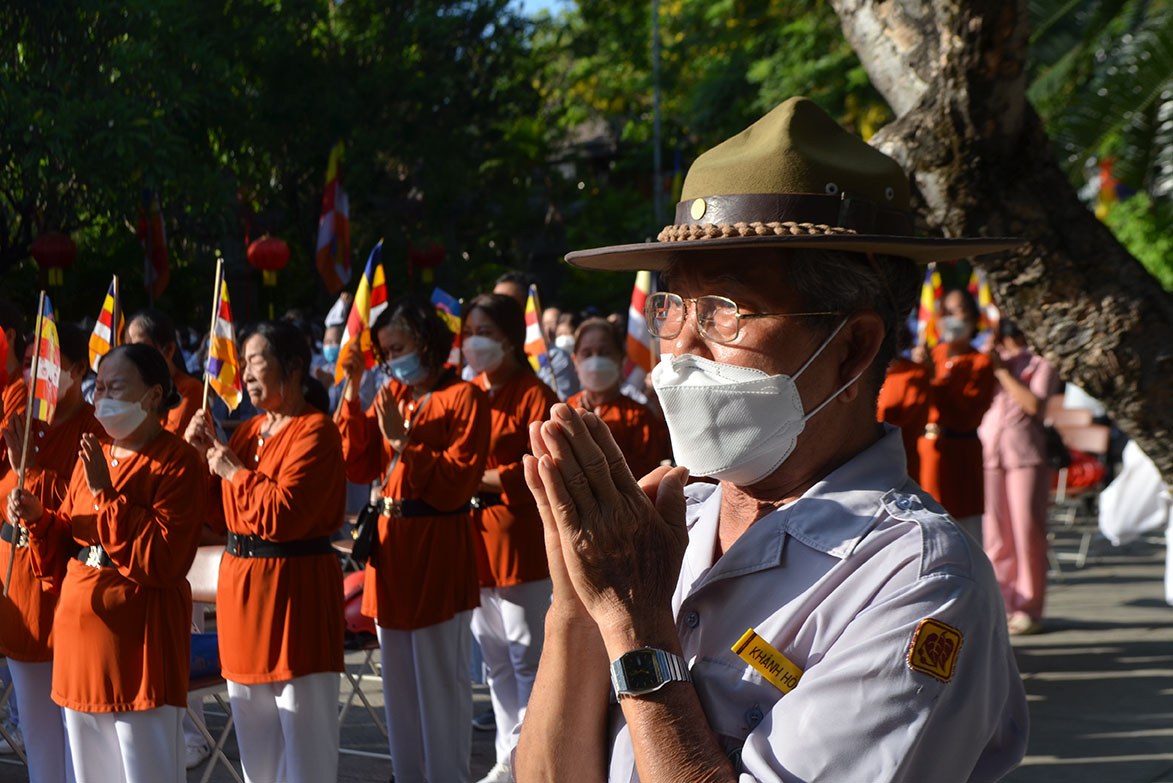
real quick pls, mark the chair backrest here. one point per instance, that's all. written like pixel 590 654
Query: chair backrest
pixel 204 572
pixel 1069 417
pixel 1091 438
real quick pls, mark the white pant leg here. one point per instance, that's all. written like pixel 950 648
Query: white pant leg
pixel 429 700
pixel 191 735
pixel 488 627
pixel 41 721
pixel 127 747
pixel 308 710
pixel 258 731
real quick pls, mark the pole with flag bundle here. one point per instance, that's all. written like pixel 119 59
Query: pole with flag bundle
pixel 28 436
pixel 212 326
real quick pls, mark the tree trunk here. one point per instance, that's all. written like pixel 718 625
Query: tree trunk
pixel 954 73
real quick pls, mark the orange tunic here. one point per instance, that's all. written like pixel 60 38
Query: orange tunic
pixel 192 393
pixel 26 614
pixel 121 635
pixel 512 549
pixel 423 570
pixel 16 399
pixel 951 463
pixel 641 436
pixel 281 617
pixel 904 403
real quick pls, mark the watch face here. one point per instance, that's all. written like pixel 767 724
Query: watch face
pixel 639 667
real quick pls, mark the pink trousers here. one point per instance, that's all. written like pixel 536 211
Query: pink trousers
pixel 1014 535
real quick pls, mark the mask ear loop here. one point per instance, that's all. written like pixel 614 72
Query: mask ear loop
pixel 838 391
pixel 821 348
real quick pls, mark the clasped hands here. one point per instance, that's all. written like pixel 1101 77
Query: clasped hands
pixel 201 434
pixel 614 544
pixel 25 506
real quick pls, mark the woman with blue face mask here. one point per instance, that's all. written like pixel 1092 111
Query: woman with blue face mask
pixel 425 439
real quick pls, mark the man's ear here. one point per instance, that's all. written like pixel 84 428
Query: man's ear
pixel 865 335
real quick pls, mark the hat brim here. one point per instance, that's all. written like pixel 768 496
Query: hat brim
pixel 655 256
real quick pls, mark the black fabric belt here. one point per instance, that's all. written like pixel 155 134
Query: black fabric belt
pixel 94 556
pixel 410 507
pixel 8 533
pixel 486 499
pixel 255 546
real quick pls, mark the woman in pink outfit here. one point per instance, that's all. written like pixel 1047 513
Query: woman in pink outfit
pixel 1017 479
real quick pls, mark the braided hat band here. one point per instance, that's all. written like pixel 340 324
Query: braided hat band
pixel 755 229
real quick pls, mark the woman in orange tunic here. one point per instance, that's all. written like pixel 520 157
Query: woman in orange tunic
pixel 640 435
pixel 514 577
pixel 961 390
pixel 26 613
pixel 123 622
pixel 279 596
pixel 425 438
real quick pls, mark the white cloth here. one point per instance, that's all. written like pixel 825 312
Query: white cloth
pixel 145 746
pixel 428 700
pixel 41 722
pixel 287 731
pixel 839 581
pixel 509 625
pixel 1137 502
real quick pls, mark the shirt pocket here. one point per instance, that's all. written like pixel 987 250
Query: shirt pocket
pixel 734 695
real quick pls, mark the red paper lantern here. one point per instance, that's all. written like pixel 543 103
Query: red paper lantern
pixel 54 252
pixel 270 255
pixel 425 259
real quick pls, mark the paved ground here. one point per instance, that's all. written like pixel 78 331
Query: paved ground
pixel 1099 679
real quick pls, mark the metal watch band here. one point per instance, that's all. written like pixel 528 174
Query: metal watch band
pixel 669 668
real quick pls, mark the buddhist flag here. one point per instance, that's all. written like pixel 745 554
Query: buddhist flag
pixel 103 338
pixel 47 361
pixel 988 314
pixel 223 369
pixel 641 356
pixel 333 256
pixel 930 306
pixel 369 301
pixel 156 270
pixel 535 338
pixel 448 308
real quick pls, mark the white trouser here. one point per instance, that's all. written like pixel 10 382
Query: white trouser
pixel 428 700
pixel 127 747
pixel 41 722
pixel 191 735
pixel 509 625
pixel 287 731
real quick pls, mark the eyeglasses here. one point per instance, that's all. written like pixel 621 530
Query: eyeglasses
pixel 717 318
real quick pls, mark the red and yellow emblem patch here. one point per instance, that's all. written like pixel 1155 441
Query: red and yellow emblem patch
pixel 934 649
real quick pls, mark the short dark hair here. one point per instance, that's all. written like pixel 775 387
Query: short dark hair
pixel 12 318
pixel 420 319
pixel 506 313
pixel 75 344
pixel 152 368
pixel 157 325
pixel 602 325
pixel 515 277
pixel 288 346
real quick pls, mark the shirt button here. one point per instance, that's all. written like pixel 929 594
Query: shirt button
pixel 692 619
pixel 40 433
pixel 903 503
pixel 753 717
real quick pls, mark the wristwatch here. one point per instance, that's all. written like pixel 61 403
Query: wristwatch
pixel 645 670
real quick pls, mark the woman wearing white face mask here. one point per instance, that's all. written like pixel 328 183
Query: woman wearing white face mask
pixel 424 439
pixel 135 506
pixel 598 355
pixel 515 585
pixel 960 392
pixel 26 613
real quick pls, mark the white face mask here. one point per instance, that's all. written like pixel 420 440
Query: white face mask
pixel 483 354
pixel 732 423
pixel 565 342
pixel 598 373
pixel 119 417
pixel 954 328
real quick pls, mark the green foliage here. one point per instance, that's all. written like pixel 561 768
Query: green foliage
pixel 1143 228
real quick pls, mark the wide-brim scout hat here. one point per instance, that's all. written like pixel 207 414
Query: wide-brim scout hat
pixel 794 179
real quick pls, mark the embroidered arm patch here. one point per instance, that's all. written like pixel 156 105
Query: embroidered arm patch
pixel 934 649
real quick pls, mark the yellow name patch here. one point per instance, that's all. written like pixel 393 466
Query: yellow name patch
pixel 773 665
pixel 934 649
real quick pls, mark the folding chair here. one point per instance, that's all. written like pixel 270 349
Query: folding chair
pixel 360 637
pixel 368 668
pixel 17 749
pixel 1091 439
pixel 202 577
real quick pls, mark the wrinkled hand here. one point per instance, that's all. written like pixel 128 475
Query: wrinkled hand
pixel 222 461
pixel 354 364
pixel 390 416
pixel 14 440
pixel 93 460
pixel 620 542
pixel 201 432
pixel 23 508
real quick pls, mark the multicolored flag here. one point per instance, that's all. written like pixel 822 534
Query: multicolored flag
pixel 641 356
pixel 927 331
pixel 535 339
pixel 156 270
pixel 369 301
pixel 448 308
pixel 47 361
pixel 333 256
pixel 103 338
pixel 988 314
pixel 223 368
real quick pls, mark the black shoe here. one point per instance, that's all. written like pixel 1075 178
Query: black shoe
pixel 485 721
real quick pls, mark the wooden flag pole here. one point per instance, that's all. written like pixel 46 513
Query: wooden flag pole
pixel 18 531
pixel 115 317
pixel 212 328
pixel 341 397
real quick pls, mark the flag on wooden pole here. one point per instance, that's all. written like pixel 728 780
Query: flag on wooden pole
pixel 641 356
pixel 103 338
pixel 46 367
pixel 448 308
pixel 927 332
pixel 223 368
pixel 535 339
pixel 333 255
pixel 369 301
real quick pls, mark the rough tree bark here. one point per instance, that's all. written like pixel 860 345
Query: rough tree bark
pixel 954 72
